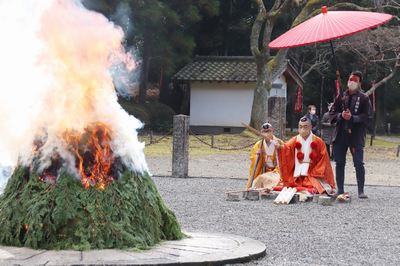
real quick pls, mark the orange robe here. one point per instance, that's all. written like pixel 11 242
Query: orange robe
pixel 260 164
pixel 319 168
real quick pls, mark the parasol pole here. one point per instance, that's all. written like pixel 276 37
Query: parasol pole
pixel 256 132
pixel 337 70
pixel 249 189
pixel 322 92
pixel 353 150
pixel 256 165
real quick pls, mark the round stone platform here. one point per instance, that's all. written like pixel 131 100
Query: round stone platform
pixel 200 249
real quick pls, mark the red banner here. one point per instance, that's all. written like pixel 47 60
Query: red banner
pixel 337 87
pixel 373 97
pixel 298 106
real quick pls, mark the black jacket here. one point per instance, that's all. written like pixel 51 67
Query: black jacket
pixel 360 108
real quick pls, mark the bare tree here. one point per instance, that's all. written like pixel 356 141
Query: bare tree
pixel 377 50
pixel 265 62
pixel 320 55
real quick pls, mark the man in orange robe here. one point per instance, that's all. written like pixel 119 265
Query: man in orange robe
pixel 304 161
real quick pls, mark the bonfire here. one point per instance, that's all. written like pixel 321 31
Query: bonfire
pixel 81 180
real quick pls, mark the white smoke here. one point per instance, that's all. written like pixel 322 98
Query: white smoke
pixel 125 82
pixel 5 174
pixel 122 17
pixel 51 52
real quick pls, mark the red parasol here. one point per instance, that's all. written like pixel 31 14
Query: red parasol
pixel 326 27
pixel 329 25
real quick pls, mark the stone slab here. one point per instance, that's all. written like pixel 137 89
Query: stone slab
pixel 269 196
pixel 201 248
pixel 308 199
pixel 233 197
pixel 348 200
pixel 325 201
pixel 252 195
pixel 294 200
pixel 315 198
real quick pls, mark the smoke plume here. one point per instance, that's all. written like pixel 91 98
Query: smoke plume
pixel 56 62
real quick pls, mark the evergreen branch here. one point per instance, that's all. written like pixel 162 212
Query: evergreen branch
pixel 45 193
pixel 20 192
pixel 51 228
pixel 93 230
pixel 115 233
pixel 66 196
pixel 119 205
pixel 5 227
pixel 106 195
pixel 115 196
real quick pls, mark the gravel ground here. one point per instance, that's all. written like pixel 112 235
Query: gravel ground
pixel 364 232
pixel 378 172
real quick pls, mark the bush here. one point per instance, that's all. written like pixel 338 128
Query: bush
pixel 161 116
pixel 138 111
pixel 155 116
pixel 394 119
pixel 152 95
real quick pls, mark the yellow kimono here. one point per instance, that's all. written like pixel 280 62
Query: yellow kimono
pixel 262 159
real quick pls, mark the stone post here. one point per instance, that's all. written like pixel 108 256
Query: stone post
pixel 277 115
pixel 180 153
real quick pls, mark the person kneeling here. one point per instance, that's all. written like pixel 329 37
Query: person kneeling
pixel 304 161
pixel 264 170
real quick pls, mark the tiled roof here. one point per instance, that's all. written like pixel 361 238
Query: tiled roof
pixel 219 68
pixel 230 69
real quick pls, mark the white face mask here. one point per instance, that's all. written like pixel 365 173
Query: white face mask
pixel 313 112
pixel 352 85
pixel 304 132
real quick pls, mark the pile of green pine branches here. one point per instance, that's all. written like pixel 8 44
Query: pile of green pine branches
pixel 128 214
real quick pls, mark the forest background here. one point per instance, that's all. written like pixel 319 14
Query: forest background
pixel 165 35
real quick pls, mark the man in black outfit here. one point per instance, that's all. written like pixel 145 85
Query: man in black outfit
pixel 355 114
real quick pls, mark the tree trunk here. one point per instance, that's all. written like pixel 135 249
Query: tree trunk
pixel 145 69
pixel 225 41
pixel 227 22
pixel 186 100
pixel 164 90
pixel 380 109
pixel 259 109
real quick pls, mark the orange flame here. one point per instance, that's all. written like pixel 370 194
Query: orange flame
pixel 93 150
pixel 47 177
